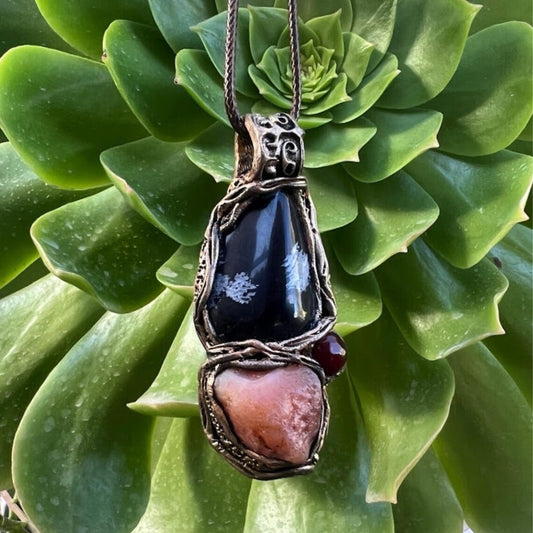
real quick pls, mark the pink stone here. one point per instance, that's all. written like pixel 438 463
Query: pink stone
pixel 276 413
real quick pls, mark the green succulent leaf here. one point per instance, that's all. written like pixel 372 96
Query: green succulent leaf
pixel 174 19
pixel 441 308
pixel 374 21
pixel 106 249
pixel 357 297
pixel 267 90
pixel 426 500
pixel 400 137
pixel 142 67
pixel 333 144
pixel 404 402
pixel 23 198
pixel 488 102
pixel 332 187
pixel 174 392
pixel 35 271
pixel 184 493
pixel 480 199
pixel 329 32
pixel 80 457
pixel 485 446
pixel 39 325
pixel 82 23
pixel 513 254
pixel 222 5
pixel 425 33
pixel 161 183
pixel 312 9
pixel 214 151
pixel 496 12
pixel 357 54
pixel 51 110
pixel 212 32
pixel 179 272
pixel 196 73
pixel 336 95
pixel 368 92
pixel 266 25
pixel 333 497
pixel 22 23
pixel 392 214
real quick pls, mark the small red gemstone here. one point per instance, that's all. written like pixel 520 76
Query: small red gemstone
pixel 330 354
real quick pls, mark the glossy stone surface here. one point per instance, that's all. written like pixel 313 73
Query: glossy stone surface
pixel 263 287
pixel 276 413
pixel 330 353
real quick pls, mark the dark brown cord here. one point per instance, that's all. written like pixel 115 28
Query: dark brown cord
pixel 230 99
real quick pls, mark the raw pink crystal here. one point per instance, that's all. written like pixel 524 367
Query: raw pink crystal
pixel 276 413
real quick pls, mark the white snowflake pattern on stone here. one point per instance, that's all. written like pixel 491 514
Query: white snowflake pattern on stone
pixel 240 289
pixel 297 269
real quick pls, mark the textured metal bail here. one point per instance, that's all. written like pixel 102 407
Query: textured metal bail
pixel 273 148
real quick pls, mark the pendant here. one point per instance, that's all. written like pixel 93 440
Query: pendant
pixel 264 311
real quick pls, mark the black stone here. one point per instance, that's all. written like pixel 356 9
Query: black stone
pixel 264 284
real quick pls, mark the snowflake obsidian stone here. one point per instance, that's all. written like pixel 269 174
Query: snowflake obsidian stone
pixel 262 287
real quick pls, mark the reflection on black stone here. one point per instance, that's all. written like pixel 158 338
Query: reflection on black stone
pixel 263 286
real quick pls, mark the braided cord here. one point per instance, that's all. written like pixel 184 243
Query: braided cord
pixel 230 99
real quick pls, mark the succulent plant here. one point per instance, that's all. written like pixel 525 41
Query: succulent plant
pixel 117 148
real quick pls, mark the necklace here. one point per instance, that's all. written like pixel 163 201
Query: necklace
pixel 264 308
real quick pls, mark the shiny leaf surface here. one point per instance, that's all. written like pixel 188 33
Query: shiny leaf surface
pixel 332 186
pixel 426 500
pixel 22 23
pixel 174 19
pixel 479 198
pixel 514 350
pixel 368 92
pixel 374 21
pixel 115 261
pixel 142 67
pixel 39 325
pixel 496 12
pixel 333 497
pixel 425 33
pixel 179 272
pixel 266 25
pixel 486 444
pixel 213 151
pixel 76 438
pixel 195 72
pixel 212 33
pixel 401 136
pixel 392 214
pixel 23 198
pixel 480 116
pixel 174 391
pixel 51 109
pixel 357 297
pixel 193 488
pixel 333 144
pixel 441 308
pixel 357 54
pixel 312 9
pixel 160 182
pixel 404 402
pixel 82 22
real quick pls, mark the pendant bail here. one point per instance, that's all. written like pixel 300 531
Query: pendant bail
pixel 273 148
